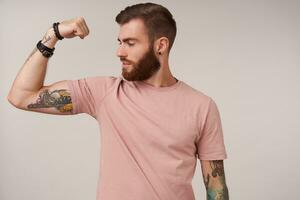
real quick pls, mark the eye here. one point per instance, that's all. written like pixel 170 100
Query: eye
pixel 130 44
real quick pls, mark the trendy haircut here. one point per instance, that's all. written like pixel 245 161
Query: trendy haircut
pixel 157 19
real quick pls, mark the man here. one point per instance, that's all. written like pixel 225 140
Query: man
pixel 153 126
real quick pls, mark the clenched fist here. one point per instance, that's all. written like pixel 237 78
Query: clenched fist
pixel 67 29
pixel 73 27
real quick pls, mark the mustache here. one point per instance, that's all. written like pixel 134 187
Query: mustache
pixel 125 60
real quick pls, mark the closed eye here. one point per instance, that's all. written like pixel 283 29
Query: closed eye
pixel 129 44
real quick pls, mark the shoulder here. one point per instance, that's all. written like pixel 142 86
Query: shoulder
pixel 102 81
pixel 103 78
pixel 195 95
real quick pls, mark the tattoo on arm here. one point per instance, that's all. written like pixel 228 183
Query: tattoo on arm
pixel 45 39
pixel 59 99
pixel 220 192
pixel 217 194
pixel 217 168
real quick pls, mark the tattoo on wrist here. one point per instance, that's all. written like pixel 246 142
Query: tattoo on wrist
pixel 45 39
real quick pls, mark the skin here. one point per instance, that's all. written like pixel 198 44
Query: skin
pixel 214 179
pixel 47 37
pixel 145 63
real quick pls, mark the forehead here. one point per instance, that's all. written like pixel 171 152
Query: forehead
pixel 135 28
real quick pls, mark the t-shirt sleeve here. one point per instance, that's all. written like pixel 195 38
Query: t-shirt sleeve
pixel 210 143
pixel 87 93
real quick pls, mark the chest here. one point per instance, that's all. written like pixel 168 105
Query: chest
pixel 165 123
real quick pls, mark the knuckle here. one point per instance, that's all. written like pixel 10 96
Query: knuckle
pixel 77 23
pixel 80 19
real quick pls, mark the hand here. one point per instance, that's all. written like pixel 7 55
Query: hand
pixel 73 27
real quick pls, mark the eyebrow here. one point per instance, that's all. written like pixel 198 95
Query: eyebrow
pixel 127 39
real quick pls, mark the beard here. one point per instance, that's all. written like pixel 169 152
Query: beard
pixel 144 68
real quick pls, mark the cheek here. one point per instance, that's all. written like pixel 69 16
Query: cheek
pixel 136 54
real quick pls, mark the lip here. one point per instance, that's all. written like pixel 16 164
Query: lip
pixel 126 64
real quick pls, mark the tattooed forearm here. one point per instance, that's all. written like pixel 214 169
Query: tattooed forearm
pixel 59 99
pixel 214 181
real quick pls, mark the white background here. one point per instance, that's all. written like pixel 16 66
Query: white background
pixel 244 54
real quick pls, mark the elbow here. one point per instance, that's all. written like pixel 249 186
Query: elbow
pixel 12 102
pixel 17 97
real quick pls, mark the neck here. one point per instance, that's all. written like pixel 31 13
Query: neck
pixel 163 77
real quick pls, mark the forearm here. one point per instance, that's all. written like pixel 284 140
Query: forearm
pixel 30 77
pixel 214 180
pixel 216 188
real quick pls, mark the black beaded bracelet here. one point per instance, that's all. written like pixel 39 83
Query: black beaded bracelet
pixel 57 34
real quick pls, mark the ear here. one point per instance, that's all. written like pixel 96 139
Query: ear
pixel 162 45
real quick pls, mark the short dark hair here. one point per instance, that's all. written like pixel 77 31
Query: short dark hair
pixel 157 19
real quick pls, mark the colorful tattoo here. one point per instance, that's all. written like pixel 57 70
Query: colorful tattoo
pixel 59 99
pixel 219 192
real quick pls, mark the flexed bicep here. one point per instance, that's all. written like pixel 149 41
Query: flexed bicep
pixel 53 99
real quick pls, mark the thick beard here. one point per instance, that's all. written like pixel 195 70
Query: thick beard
pixel 144 68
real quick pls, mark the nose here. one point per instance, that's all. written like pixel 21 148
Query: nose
pixel 121 52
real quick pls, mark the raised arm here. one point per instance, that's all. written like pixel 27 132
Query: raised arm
pixel 28 91
pixel 214 179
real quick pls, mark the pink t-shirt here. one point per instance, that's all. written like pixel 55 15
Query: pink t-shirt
pixel 150 137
